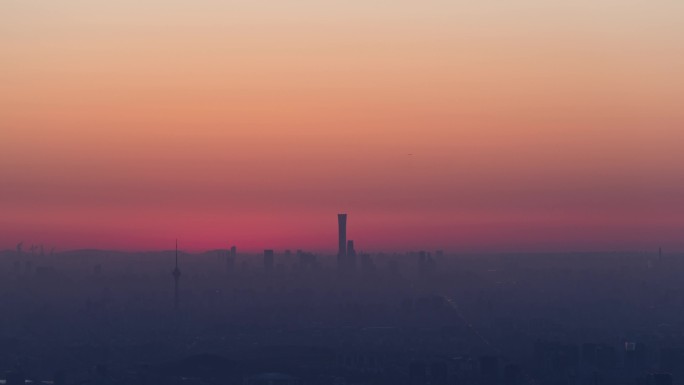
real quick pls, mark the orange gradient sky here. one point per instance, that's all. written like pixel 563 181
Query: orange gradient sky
pixel 532 124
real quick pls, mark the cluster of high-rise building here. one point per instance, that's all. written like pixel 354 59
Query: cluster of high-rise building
pixel 411 318
pixel 346 257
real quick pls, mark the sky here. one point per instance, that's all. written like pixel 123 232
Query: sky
pixel 468 126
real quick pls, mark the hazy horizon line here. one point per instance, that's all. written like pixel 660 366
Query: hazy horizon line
pixel 333 253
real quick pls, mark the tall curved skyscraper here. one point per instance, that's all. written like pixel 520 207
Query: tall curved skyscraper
pixel 342 234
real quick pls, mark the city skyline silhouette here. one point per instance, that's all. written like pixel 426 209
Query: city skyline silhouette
pixel 306 192
pixel 457 242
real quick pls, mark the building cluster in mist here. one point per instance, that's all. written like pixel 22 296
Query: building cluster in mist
pixel 295 317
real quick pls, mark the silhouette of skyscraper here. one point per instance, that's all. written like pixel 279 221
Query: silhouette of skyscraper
pixel 268 260
pixel 342 238
pixel 342 234
pixel 176 277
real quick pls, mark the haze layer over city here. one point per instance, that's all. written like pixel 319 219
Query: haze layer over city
pixel 296 317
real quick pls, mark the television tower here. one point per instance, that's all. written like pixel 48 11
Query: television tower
pixel 176 277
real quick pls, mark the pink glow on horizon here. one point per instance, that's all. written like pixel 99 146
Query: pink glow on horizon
pixel 530 125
